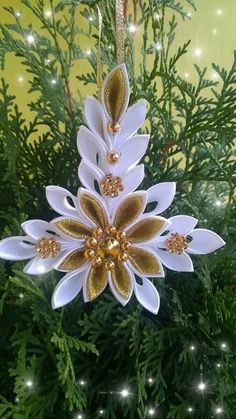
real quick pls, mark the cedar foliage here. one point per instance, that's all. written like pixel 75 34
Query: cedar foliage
pixel 102 343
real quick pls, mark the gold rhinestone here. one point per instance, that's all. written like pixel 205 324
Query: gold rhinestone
pixel 109 264
pixel 122 257
pixel 97 261
pixel 125 245
pixel 113 157
pixel 47 247
pixel 121 235
pixel 89 253
pixel 111 230
pixel 114 127
pixel 91 242
pixel 176 243
pixel 98 233
pixel 109 247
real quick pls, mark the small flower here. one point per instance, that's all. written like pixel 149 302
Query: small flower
pixel 182 238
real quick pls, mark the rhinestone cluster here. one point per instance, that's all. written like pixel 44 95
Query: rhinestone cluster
pixel 111 186
pixel 176 243
pixel 47 247
pixel 107 246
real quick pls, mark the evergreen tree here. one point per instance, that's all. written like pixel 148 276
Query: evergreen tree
pixel 56 364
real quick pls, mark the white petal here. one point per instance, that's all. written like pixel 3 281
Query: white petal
pixel 147 295
pixel 58 199
pixel 68 288
pixel 127 88
pixel 133 179
pixel 182 224
pixel 92 148
pixel 37 228
pixel 119 298
pixel 179 263
pixel 162 194
pixel 204 241
pixel 13 248
pixel 94 116
pixel 132 121
pixel 89 174
pixel 39 266
pixel 131 151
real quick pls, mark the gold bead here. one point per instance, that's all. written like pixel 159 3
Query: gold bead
pixel 98 233
pixel 91 242
pixel 89 253
pixel 126 245
pixel 121 235
pixel 123 257
pixel 111 230
pixel 109 264
pixel 114 127
pixel 113 157
pixel 97 261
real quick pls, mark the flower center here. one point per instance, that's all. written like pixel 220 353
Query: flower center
pixel 177 243
pixel 111 186
pixel 107 247
pixel 47 247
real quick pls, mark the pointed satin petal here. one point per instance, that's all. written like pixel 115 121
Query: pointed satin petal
pixel 182 224
pixel 131 151
pixel 71 259
pixel 37 228
pixel 145 261
pixel 14 248
pixel 133 179
pixel 94 115
pixel 57 198
pixel 175 262
pixel 68 288
pixel 121 281
pixel 204 241
pixel 132 121
pixel 129 209
pixel 89 175
pixel 162 194
pixel 147 295
pixel 146 229
pixel 95 284
pixel 39 266
pixel 91 148
pixel 93 207
pixel 72 228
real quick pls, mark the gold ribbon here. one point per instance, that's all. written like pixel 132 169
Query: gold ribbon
pixel 99 59
pixel 120 32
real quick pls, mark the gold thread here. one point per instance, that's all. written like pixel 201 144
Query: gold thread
pixel 144 261
pixel 145 229
pixel 99 59
pixel 120 32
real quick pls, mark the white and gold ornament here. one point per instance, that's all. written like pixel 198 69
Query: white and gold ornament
pixel 107 237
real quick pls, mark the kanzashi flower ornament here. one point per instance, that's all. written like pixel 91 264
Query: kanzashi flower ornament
pixel 106 235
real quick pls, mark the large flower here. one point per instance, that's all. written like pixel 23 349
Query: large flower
pixel 181 239
pixel 111 249
pixel 42 244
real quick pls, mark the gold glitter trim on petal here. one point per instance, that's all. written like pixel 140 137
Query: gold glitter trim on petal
pixel 93 209
pixel 74 260
pixel 96 282
pixel 144 261
pixel 73 228
pixel 115 94
pixel 128 211
pixel 145 229
pixel 121 280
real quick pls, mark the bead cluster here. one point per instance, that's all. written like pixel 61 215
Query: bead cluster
pixel 47 247
pixel 176 243
pixel 111 186
pixel 107 246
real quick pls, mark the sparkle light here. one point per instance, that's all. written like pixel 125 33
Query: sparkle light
pixel 219 12
pixel 48 13
pixel 29 383
pixel 198 52
pixel 109 46
pixel 124 393
pixel 214 31
pixel 218 204
pixel 157 16
pixel 30 39
pixel 219 410
pixel 20 79
pixel 190 409
pixel 18 14
pixel 192 348
pixel 223 346
pixel 88 52
pixel 132 28
pixel 218 365
pixel 79 416
pixel 90 19
pixel 150 380
pixel 201 386
pixel 21 295
pixel 215 76
pixel 158 46
pixel 53 81
pixel 82 383
pixel 101 411
pixel 186 75
pixel 151 412
pixel 189 14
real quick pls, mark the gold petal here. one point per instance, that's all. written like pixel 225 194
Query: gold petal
pixel 129 210
pixel 115 94
pixel 145 229
pixel 121 280
pixel 96 282
pixel 74 260
pixel 144 261
pixel 73 228
pixel 93 209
